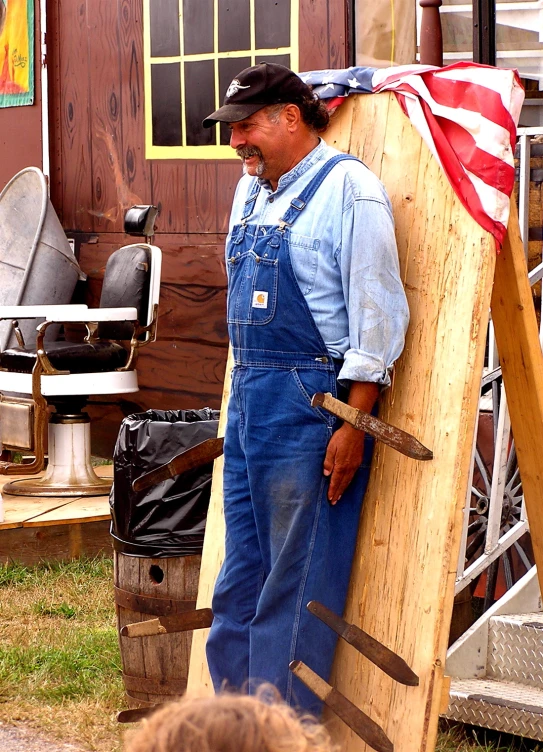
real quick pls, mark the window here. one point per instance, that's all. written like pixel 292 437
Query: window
pixel 192 51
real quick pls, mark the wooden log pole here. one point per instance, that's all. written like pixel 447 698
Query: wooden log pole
pixel 431 37
pixel 521 359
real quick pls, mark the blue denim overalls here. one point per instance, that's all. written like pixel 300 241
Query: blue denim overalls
pixel 285 544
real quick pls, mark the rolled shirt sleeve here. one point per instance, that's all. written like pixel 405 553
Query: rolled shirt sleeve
pixel 376 304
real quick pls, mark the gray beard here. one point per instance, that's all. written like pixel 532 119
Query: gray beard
pixel 261 166
pixel 250 151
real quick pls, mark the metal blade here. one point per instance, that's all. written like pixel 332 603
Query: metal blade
pixel 391 663
pixel 362 725
pixel 394 437
pixel 202 618
pixel 198 455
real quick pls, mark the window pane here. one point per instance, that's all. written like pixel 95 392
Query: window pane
pixel 234 25
pixel 164 28
pixel 198 26
pixel 272 24
pixel 281 59
pixel 199 101
pixel 166 104
pixel 228 69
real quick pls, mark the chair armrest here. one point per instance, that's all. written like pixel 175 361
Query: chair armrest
pixel 41 311
pixel 93 315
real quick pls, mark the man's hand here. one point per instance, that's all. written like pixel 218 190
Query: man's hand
pixel 345 450
pixel 343 458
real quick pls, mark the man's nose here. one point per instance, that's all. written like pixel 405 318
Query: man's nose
pixel 236 139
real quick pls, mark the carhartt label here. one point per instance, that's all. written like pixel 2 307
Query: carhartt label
pixel 260 299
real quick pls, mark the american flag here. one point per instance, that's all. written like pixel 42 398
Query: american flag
pixel 466 113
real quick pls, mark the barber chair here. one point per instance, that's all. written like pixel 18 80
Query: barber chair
pixel 46 383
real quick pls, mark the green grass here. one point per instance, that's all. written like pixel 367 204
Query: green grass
pixel 81 668
pixel 460 738
pixel 60 667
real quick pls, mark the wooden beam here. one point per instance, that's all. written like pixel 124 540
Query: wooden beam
pixel 521 359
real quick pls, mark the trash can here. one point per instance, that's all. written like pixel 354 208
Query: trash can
pixel 158 536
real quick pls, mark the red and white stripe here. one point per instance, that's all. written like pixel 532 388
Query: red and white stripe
pixel 467 114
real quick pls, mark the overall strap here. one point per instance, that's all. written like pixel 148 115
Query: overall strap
pixel 249 207
pixel 298 204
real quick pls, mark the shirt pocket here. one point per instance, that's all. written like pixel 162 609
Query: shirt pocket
pixel 304 257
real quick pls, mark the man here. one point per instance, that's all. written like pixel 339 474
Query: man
pixel 315 304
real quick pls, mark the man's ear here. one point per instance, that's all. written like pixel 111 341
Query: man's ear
pixel 292 115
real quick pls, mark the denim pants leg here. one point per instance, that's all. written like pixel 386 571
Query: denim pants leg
pixel 303 545
pixel 239 582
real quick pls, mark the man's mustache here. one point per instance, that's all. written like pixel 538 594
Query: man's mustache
pixel 244 152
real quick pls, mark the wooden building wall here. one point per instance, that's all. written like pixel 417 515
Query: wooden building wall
pixel 20 127
pixel 98 169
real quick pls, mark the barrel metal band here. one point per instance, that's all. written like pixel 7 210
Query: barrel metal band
pixel 153 686
pixel 149 604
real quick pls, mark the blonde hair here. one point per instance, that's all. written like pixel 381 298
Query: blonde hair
pixel 230 723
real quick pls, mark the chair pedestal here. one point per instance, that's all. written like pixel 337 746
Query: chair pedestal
pixel 69 471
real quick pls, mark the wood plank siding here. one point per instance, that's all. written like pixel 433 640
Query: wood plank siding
pixel 99 169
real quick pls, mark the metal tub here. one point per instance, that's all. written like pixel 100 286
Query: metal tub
pixel 37 265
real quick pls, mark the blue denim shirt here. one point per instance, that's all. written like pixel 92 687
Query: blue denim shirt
pixel 344 256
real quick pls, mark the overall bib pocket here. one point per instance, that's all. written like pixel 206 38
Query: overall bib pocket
pixel 253 288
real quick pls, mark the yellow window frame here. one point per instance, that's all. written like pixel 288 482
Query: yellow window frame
pixel 217 151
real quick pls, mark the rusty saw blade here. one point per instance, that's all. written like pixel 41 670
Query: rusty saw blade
pixel 362 725
pixel 391 663
pixel 396 438
pixel 198 455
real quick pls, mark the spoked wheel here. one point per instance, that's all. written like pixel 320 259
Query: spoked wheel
pixel 516 560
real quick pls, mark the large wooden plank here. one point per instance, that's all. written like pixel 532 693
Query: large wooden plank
pixel 199 679
pixel 404 568
pixel 403 574
pixel 521 359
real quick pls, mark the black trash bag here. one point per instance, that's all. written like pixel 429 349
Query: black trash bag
pixel 167 519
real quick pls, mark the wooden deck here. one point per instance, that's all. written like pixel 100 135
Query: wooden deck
pixel 35 529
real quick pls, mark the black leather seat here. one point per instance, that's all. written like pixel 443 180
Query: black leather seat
pixel 76 357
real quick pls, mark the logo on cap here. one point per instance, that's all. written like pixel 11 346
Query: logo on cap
pixel 234 87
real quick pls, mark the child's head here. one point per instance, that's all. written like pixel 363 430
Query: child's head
pixel 230 723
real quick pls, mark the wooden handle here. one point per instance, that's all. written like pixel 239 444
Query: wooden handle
pixel 201 618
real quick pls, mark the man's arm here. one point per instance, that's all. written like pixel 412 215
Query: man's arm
pixel 378 316
pixel 346 447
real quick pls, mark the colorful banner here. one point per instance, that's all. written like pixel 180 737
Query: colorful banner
pixel 16 52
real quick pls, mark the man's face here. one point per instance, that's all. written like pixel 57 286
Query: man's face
pixel 260 144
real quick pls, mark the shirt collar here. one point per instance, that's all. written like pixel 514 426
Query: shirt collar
pixel 289 177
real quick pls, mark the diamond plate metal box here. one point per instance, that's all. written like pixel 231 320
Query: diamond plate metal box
pixel 503 706
pixel 515 649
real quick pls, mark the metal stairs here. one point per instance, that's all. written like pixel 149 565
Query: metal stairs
pixel 496 667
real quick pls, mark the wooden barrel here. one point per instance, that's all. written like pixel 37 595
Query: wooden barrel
pixel 155 668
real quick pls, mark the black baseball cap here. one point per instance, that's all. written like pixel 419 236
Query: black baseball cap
pixel 257 87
